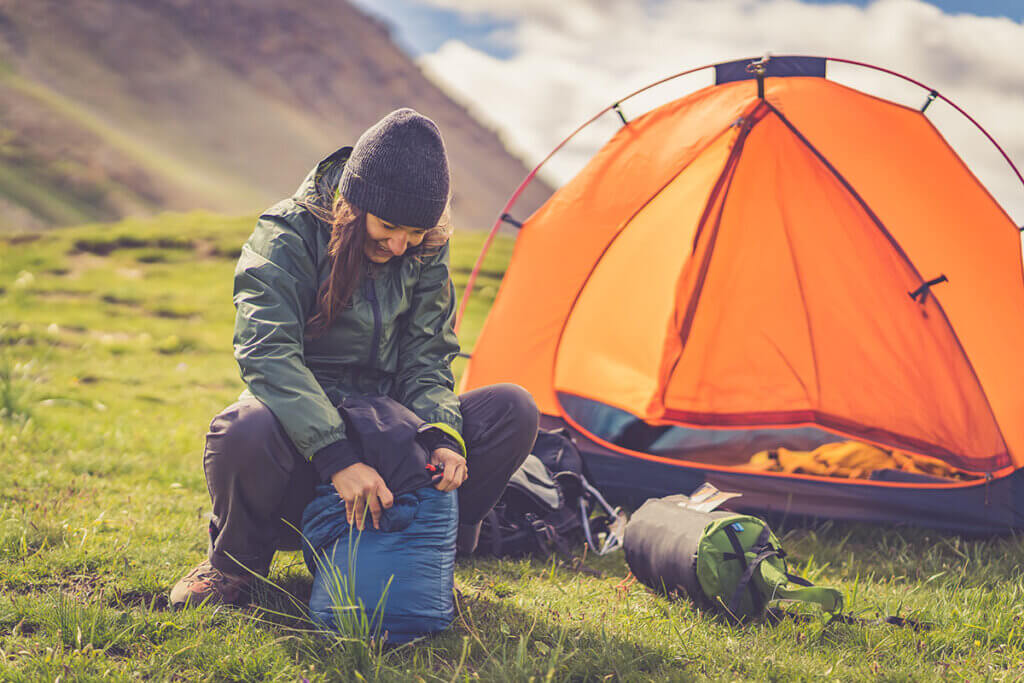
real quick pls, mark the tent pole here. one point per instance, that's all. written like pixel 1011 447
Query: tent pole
pixel 759 69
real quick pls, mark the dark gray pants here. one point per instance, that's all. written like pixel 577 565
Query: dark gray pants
pixel 260 484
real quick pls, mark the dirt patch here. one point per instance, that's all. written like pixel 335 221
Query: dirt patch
pixel 81 262
pixel 23 238
pixel 112 337
pixel 208 249
pixel 102 247
pixel 155 257
pixel 494 274
pixel 119 301
pixel 75 585
pixel 204 248
pixel 175 315
pixel 61 295
pixel 149 600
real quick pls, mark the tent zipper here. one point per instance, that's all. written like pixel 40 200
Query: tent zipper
pixel 721 189
pixel 371 295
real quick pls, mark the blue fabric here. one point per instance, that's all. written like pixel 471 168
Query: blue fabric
pixel 414 549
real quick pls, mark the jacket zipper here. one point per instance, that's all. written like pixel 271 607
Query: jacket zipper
pixel 371 296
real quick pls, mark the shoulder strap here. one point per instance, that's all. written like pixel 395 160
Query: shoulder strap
pixel 757 600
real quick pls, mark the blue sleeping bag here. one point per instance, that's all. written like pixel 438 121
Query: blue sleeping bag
pixel 397 579
pixel 411 558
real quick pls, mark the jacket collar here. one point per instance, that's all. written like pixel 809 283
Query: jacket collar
pixel 322 181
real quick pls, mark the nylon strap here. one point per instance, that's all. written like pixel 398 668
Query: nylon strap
pixel 745 580
pixel 798 580
pixel 741 555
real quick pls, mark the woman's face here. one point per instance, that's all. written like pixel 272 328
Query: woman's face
pixel 387 240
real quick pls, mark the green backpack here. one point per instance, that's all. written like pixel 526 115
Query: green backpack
pixel 722 560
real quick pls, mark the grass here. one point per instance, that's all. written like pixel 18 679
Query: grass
pixel 114 354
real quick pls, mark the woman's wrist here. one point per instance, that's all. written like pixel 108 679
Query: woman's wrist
pixel 433 438
pixel 333 458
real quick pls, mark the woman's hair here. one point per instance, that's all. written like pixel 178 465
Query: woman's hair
pixel 349 263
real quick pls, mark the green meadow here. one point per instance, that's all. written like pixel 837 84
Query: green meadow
pixel 115 352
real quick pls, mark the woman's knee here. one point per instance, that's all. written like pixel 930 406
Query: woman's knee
pixel 238 432
pixel 521 406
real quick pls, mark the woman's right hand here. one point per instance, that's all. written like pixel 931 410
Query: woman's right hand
pixel 360 486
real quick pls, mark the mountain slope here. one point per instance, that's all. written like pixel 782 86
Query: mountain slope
pixel 116 107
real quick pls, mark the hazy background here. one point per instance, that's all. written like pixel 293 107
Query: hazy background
pixel 111 108
pixel 535 69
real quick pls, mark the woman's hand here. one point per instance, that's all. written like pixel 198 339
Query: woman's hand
pixel 360 486
pixel 455 470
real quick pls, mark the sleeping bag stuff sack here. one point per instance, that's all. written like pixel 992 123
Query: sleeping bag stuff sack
pixel 397 580
pixel 725 561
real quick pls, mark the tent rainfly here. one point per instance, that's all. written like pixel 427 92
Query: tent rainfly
pixel 775 259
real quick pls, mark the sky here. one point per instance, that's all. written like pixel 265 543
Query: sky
pixel 536 69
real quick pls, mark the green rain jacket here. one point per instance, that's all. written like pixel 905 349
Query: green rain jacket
pixel 395 339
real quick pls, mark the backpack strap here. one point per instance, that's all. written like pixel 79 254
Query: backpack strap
pixel 829 599
pixel 748 569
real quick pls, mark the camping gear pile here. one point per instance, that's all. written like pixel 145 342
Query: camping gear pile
pixel 777 250
pixel 679 545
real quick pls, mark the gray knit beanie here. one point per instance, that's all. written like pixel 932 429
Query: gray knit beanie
pixel 398 171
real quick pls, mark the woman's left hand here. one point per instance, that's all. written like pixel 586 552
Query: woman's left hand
pixel 455 470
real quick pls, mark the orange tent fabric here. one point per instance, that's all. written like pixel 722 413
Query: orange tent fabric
pixel 727 260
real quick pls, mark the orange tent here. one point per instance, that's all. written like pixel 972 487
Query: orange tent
pixel 772 251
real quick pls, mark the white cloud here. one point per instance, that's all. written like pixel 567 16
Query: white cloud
pixel 574 57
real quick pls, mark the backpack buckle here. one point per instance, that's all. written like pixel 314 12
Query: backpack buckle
pixel 541 530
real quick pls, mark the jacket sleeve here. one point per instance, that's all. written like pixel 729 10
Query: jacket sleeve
pixel 275 285
pixel 424 382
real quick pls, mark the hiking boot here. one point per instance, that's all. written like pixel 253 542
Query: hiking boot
pixel 209 585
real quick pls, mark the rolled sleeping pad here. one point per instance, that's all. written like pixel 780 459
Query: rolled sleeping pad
pixel 722 560
pixel 661 546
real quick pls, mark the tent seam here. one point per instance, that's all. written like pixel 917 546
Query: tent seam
pixel 722 185
pixel 807 316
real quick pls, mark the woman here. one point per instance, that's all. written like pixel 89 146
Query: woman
pixel 343 290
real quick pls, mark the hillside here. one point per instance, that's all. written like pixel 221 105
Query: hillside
pixel 118 107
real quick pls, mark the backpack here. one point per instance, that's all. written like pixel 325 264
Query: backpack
pixel 728 562
pixel 548 504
